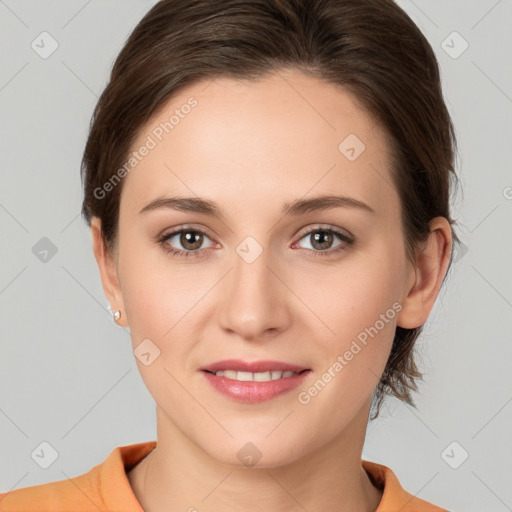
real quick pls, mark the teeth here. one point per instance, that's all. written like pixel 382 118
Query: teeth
pixel 257 377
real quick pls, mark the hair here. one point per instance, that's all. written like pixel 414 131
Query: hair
pixel 371 48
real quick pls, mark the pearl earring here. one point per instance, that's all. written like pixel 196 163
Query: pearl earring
pixel 116 313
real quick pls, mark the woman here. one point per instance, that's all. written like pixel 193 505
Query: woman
pixel 267 186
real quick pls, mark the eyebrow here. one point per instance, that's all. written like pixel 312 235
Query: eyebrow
pixel 295 208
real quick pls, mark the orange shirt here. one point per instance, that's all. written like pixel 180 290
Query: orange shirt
pixel 105 487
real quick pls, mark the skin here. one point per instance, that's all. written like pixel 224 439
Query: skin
pixel 251 147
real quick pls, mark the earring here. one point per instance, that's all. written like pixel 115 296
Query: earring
pixel 116 313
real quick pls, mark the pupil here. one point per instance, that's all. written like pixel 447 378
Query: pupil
pixel 186 236
pixel 323 234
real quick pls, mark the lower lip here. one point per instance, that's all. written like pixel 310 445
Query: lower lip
pixel 254 392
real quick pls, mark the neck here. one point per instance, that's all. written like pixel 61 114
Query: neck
pixel 178 475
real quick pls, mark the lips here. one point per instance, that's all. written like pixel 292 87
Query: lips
pixel 253 367
pixel 254 391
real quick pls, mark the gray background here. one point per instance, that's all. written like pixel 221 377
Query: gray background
pixel 68 375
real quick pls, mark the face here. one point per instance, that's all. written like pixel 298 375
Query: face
pixel 319 288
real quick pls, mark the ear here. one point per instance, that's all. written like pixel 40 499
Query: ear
pixel 427 275
pixel 108 270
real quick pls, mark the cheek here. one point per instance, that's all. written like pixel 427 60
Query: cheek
pixel 361 310
pixel 351 297
pixel 358 308
pixel 169 304
pixel 158 306
pixel 152 298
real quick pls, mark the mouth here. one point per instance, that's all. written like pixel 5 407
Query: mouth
pixel 255 376
pixel 253 382
pixel 259 371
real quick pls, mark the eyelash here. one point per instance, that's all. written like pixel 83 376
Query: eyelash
pixel 346 242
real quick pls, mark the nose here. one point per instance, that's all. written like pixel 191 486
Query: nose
pixel 255 301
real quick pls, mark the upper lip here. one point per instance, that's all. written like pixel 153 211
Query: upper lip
pixel 252 366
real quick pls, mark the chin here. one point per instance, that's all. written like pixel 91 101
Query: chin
pixel 254 452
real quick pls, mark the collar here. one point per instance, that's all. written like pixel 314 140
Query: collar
pixel 111 480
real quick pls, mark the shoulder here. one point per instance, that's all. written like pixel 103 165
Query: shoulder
pixel 394 497
pixel 105 487
pixel 63 495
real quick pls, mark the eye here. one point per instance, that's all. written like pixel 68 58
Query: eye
pixel 322 239
pixel 191 240
pixel 188 238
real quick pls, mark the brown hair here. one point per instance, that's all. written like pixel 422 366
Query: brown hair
pixel 369 47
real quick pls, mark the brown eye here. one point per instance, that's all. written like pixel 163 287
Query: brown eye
pixel 321 241
pixel 185 242
pixel 191 240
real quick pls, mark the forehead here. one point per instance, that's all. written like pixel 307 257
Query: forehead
pixel 283 136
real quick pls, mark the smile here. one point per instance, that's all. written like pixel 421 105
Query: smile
pixel 255 377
